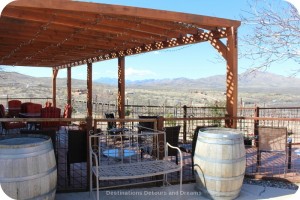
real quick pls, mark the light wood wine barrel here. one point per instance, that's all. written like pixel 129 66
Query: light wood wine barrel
pixel 219 163
pixel 28 167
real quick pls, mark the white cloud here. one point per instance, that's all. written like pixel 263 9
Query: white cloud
pixel 132 73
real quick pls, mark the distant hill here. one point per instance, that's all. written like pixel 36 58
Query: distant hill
pixel 253 80
pixel 260 88
pixel 247 81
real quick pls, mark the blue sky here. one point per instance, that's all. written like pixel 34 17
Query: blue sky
pixel 193 61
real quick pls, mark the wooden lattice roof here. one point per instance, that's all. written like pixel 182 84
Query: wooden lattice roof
pixel 59 33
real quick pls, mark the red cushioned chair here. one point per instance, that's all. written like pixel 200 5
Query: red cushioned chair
pixel 50 112
pixel 34 108
pixel 14 108
pixel 9 125
pixel 24 107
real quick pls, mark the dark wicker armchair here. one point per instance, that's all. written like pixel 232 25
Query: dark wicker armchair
pixel 172 136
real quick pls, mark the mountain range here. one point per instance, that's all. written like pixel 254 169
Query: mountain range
pixel 264 81
pixel 254 80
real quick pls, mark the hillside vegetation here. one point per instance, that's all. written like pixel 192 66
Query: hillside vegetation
pixel 262 89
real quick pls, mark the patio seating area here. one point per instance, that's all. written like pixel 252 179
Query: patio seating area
pixel 73 172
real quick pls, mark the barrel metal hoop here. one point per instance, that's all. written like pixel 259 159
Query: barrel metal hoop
pixel 233 178
pixel 220 141
pixel 44 196
pixel 221 161
pixel 25 152
pixel 26 178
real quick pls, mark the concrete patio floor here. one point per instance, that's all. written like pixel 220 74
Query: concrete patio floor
pixel 248 192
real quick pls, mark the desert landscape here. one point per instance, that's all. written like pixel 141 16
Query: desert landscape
pixel 261 89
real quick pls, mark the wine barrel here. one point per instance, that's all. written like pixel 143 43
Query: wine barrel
pixel 219 163
pixel 28 167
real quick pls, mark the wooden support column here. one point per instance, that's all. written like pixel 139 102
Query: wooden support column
pixel 121 87
pixel 69 85
pixel 232 76
pixel 89 118
pixel 89 103
pixel 54 75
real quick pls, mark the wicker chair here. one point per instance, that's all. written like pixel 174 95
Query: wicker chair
pixel 77 149
pixel 172 136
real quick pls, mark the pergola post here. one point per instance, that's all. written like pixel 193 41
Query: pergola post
pixel 69 85
pixel 89 103
pixel 232 77
pixel 121 87
pixel 54 75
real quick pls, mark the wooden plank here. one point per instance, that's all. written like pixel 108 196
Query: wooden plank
pixel 122 25
pixel 127 11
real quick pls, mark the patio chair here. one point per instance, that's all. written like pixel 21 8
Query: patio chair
pixel 112 126
pixel 24 106
pixel 50 112
pixel 34 108
pixel 14 108
pixel 9 125
pixel 146 126
pixel 272 140
pixel 77 149
pixel 172 136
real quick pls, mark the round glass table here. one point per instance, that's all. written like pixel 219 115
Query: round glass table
pixel 118 153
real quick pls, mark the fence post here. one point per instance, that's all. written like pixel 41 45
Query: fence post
pixel 184 123
pixel 289 153
pixel 256 124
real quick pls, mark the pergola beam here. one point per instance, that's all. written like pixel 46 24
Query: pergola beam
pixel 115 25
pixel 186 40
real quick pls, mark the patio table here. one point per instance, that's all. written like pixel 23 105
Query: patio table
pixel 119 153
pixel 30 115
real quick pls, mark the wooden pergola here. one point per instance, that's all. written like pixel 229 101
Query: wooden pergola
pixel 64 34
